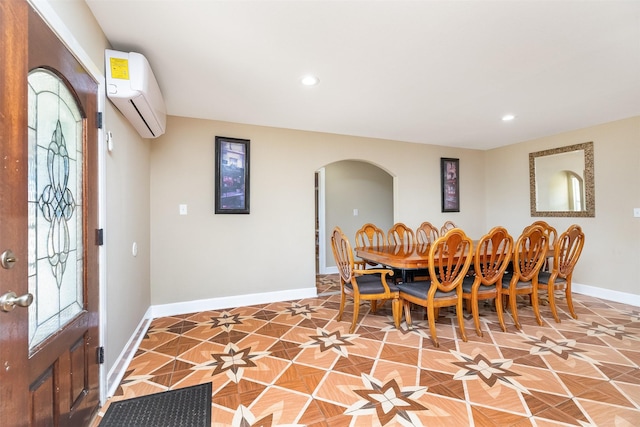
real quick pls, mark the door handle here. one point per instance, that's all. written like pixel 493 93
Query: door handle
pixel 9 301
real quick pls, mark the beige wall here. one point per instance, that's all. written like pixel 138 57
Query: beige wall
pixel 128 289
pixel 272 249
pixel 203 255
pixel 79 20
pixel 611 256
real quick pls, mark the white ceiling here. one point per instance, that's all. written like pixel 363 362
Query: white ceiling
pixel 434 72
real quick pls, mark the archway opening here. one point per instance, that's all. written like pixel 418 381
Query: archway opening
pixel 349 193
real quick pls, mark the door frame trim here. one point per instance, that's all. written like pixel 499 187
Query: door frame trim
pixel 322 232
pixel 52 19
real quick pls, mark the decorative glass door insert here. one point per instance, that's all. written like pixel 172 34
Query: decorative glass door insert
pixel 55 205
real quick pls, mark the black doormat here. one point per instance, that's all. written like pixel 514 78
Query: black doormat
pixel 184 407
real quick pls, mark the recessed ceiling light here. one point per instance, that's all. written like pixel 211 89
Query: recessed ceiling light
pixel 508 117
pixel 310 80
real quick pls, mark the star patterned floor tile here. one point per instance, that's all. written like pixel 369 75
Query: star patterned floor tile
pixel 293 363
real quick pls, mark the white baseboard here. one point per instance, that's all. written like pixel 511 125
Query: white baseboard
pixel 331 270
pixel 608 294
pixel 230 302
pixel 118 369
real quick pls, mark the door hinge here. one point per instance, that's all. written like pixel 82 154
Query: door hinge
pixel 99 119
pixel 100 237
pixel 100 355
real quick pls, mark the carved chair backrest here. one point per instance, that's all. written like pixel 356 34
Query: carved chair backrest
pixel 530 252
pixel 449 261
pixel 553 233
pixel 448 225
pixel 369 235
pixel 426 233
pixel 493 255
pixel 400 235
pixel 567 250
pixel 342 254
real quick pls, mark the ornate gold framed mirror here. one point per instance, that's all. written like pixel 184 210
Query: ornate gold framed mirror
pixel 562 181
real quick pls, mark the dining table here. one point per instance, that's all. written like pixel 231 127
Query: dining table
pixel 404 257
pixel 410 257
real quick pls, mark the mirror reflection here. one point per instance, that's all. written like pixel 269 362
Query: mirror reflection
pixel 561 181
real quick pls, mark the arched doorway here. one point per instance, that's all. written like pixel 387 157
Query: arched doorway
pixel 349 193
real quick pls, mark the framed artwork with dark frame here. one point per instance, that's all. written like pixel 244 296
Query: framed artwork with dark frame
pixel 232 176
pixel 450 184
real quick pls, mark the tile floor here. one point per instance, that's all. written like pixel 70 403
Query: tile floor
pixel 292 363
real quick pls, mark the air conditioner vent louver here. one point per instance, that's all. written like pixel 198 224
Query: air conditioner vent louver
pixel 142 118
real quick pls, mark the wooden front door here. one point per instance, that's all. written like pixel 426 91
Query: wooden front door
pixel 49 372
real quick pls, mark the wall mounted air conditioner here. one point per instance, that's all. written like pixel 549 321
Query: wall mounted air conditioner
pixel 133 89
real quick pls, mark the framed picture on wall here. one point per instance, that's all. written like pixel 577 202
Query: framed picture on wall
pixel 450 184
pixel 232 176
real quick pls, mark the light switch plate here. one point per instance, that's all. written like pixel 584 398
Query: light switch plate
pixel 636 212
pixel 183 209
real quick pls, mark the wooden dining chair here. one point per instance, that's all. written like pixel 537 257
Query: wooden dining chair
pixel 400 235
pixel 566 253
pixel 448 225
pixel 449 260
pixel 553 234
pixel 367 236
pixel 362 284
pixel 490 261
pixel 427 233
pixel 529 254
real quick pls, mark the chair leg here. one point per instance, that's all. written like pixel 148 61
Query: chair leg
pixel 499 311
pixel 476 314
pixel 407 314
pixel 356 312
pixel 343 298
pixel 552 301
pixel 374 305
pixel 432 325
pixel 461 319
pixel 396 309
pixel 567 292
pixel 513 303
pixel 534 304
